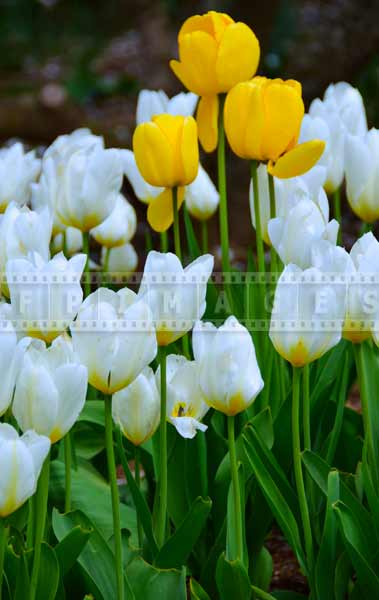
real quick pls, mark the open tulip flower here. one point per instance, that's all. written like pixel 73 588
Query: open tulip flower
pixel 262 122
pixel 114 338
pixel 51 388
pixel 176 295
pixel 215 53
pixel 229 374
pixel 362 174
pixel 136 408
pixel 71 241
pixel 185 399
pixel 21 460
pixel 18 170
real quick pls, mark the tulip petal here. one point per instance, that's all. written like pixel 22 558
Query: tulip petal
pixel 198 54
pixel 189 151
pixel 160 214
pixel 244 120
pixel 212 22
pixel 297 161
pixel 148 143
pixel 238 56
pixel 207 122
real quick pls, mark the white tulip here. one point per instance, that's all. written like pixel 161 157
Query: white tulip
pixel 308 314
pixel 186 405
pixel 229 374
pixel 21 460
pixel 175 295
pixel 348 101
pixel 201 196
pixel 73 242
pixel 143 190
pixel 114 337
pixel 50 389
pixel 362 175
pixel 65 145
pixel 362 300
pixel 119 227
pixel 45 194
pixel 152 103
pixel 17 171
pixel 123 259
pixel 45 296
pixel 136 408
pixel 288 193
pixel 292 236
pixel 12 352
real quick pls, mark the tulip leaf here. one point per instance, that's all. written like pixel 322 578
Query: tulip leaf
pixel 150 583
pixel 48 578
pixel 196 591
pixel 96 558
pixel 232 512
pixel 177 549
pixel 284 595
pixel 327 555
pixel 70 547
pixel 342 576
pixel 365 562
pixel 93 412
pixel 327 370
pixel 88 440
pixel 232 580
pixel 262 569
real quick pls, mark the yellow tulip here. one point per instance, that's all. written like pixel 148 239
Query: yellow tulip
pixel 262 122
pixel 166 150
pixel 215 53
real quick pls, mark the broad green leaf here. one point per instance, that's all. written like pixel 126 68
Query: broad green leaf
pixel 48 578
pixel 334 435
pixel 96 559
pixel 261 594
pixel 197 592
pixel 207 578
pixel 231 520
pixel 22 588
pixel 284 595
pixel 342 576
pixel 327 555
pixel 88 440
pixel 177 549
pixel 232 580
pixel 93 412
pixel 262 568
pixel 327 370
pixel 151 583
pixel 70 547
pixel 90 494
pixel 358 547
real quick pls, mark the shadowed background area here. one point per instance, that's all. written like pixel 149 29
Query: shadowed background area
pixel 72 63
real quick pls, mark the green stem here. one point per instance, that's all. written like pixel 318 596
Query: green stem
pixel 221 169
pixel 114 496
pixel 257 213
pixel 337 211
pixel 271 187
pixel 64 242
pixel 236 489
pixel 162 514
pixel 148 240
pixel 204 236
pixel 137 466
pixel 87 283
pixel 67 466
pixel 177 244
pixel 3 542
pixel 164 241
pixel 40 521
pixel 299 469
pixel 306 410
pixel 31 520
pixel 201 444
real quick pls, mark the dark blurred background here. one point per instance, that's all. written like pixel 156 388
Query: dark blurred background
pixel 71 63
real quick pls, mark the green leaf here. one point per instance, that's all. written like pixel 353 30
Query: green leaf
pixel 232 580
pixel 342 576
pixel 96 559
pixel 327 556
pixel 22 588
pixel 284 595
pixel 93 412
pixel 341 385
pixel 232 515
pixel 262 569
pixel 327 370
pixel 358 547
pixel 275 487
pixel 197 592
pixel 91 495
pixel 88 440
pixel 151 583
pixel 70 547
pixel 176 550
pixel 48 578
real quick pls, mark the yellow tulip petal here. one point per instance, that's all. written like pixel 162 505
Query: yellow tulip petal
pixel 207 122
pixel 198 54
pixel 243 118
pixel 212 22
pixel 238 56
pixel 160 210
pixel 297 161
pixel 284 110
pixel 153 154
pixel 189 151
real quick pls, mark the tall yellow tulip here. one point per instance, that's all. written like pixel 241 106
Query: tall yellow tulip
pixel 262 122
pixel 215 53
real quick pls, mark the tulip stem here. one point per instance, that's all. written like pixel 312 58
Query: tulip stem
pixel 114 495
pixel 299 469
pixel 223 210
pixel 40 510
pixel 306 410
pixel 337 212
pixel 87 282
pixel 177 244
pixel 137 477
pixel 64 242
pixel 164 241
pixel 236 489
pixel 3 542
pixel 271 187
pixel 257 213
pixel 204 236
pixel 67 466
pixel 162 513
